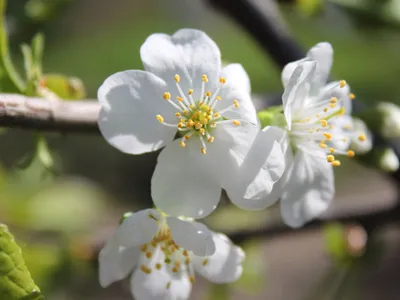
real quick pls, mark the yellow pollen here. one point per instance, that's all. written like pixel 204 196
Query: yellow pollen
pixel 342 83
pixel 333 100
pixel 235 103
pixel 180 99
pixel 202 131
pixel 331 150
pixel 203 151
pixel 185 253
pixel 205 261
pixel 322 145
pixel 148 254
pixel 167 260
pixel 158 266
pixel 167 96
pixel 187 136
pixel 208 94
pixel 143 248
pixel 191 279
pixel 145 269
pixel 191 106
pixel 236 122
pixel 154 243
pixel 352 96
pixel 327 135
pixel 330 158
pixel 187 260
pixel 177 78
pixel 332 105
pixel 210 139
pixel 218 98
pixel 325 109
pixel 222 80
pixel 182 144
pixel 160 118
pixel 198 125
pixel 204 78
pixel 180 125
pixel 335 163
pixel 324 123
pixel 190 92
pixel 204 121
pixel 184 112
pixel 216 115
pixel 362 137
pixel 177 114
pixel 175 270
pixel 201 103
pixel 350 153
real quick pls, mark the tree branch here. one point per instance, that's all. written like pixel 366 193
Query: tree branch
pixel 52 115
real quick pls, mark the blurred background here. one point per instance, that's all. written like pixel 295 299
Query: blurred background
pixel 63 195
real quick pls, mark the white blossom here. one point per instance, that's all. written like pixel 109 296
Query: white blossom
pixel 184 93
pixel 163 253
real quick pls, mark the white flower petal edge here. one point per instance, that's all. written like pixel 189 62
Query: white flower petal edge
pixel 161 268
pixel 127 120
pixel 309 190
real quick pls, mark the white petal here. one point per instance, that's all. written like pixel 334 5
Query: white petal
pixel 237 87
pixel 323 54
pixel 226 263
pixel 263 165
pixel 333 89
pixel 183 184
pixel 116 262
pixel 189 53
pixel 130 102
pixel 192 236
pixel 297 90
pixel 138 229
pixel 288 70
pixel 309 190
pixel 160 284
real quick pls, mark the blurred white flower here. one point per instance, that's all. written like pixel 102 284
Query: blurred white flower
pixel 388 161
pixel 390 114
pixel 163 253
pixel 185 94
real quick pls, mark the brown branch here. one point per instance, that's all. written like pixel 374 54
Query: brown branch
pixel 52 115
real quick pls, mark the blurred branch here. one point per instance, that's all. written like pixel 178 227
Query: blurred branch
pixel 53 115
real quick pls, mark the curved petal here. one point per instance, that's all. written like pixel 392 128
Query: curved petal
pixel 323 54
pixel 226 263
pixel 189 53
pixel 192 236
pixel 309 190
pixel 183 184
pixel 138 229
pixel 130 102
pixel 160 284
pixel 116 262
pixel 288 70
pixel 237 87
pixel 263 165
pixel 297 90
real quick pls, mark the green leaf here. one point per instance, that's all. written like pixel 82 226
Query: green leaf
pixel 16 282
pixel 37 51
pixel 5 59
pixel 68 88
pixel 44 154
pixel 335 242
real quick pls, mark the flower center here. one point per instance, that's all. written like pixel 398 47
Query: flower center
pixel 319 123
pixel 198 117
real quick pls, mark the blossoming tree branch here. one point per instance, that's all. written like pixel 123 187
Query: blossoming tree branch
pixel 200 114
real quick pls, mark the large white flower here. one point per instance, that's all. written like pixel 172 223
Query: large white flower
pixel 317 130
pixel 163 253
pixel 201 112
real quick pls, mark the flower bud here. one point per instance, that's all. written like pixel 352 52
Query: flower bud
pixel 387 160
pixel 390 113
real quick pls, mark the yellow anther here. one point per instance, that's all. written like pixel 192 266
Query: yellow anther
pixel 190 123
pixel 198 125
pixel 236 122
pixel 327 135
pixel 350 153
pixel 191 279
pixel 167 96
pixel 187 260
pixel 205 261
pixel 180 99
pixel 362 137
pixel 335 163
pixel 143 248
pixel 332 105
pixel 208 94
pixel 217 115
pixel 177 78
pixel 184 112
pixel 213 125
pixel 324 123
pixel 183 120
pixel 177 114
pixel 202 131
pixel 175 270
pixel 235 103
pixel 158 266
pixel 187 136
pixel 185 253
pixel 182 144
pixel 160 118
pixel 190 92
pixel 208 117
pixel 204 120
pixel 153 243
pixel 148 254
pixel 222 80
pixel 204 78
pixel 325 109
pixel 331 150
pixel 322 145
pixel 203 151
pixel 342 83
pixel 218 98
pixel 330 158
pixel 333 100
pixel 210 139
pixel 191 106
pixel 352 96
pixel 167 260
pixel 201 103
pixel 180 125
pixel 145 269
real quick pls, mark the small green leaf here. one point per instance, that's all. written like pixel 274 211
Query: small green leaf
pixel 44 154
pixel 335 241
pixel 37 51
pixel 68 88
pixel 15 280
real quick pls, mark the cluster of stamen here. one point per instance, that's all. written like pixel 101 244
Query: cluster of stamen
pixel 318 127
pixel 197 117
pixel 175 258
